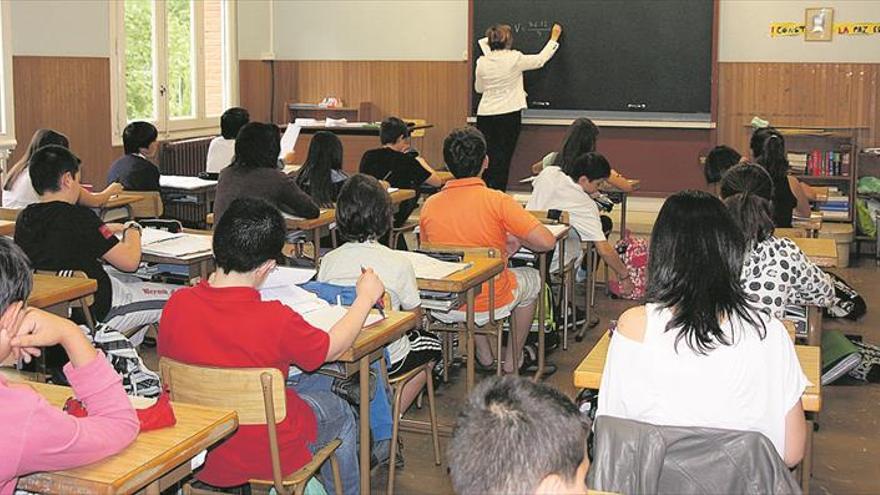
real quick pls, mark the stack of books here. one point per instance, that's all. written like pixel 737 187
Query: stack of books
pixel 798 162
pixel 837 205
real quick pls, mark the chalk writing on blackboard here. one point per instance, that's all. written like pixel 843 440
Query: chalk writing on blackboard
pixel 540 28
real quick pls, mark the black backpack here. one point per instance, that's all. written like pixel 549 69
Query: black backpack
pixel 847 302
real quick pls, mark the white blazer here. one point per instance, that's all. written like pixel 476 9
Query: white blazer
pixel 498 77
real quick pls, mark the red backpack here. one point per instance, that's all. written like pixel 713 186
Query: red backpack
pixel 634 254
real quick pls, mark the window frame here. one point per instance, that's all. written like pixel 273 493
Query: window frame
pixel 173 128
pixel 7 126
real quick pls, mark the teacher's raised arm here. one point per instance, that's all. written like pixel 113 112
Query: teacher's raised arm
pixel 498 77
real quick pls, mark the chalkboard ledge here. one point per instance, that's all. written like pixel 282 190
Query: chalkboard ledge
pixel 617 119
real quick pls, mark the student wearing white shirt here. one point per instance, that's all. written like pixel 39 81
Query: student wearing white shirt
pixel 222 148
pixel 499 78
pixel 698 354
pixel 570 191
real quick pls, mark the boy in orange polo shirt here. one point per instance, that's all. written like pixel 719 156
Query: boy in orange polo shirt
pixel 467 213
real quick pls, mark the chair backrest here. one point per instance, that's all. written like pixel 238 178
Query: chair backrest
pixel 417 133
pixel 256 394
pixel 149 207
pixel 9 213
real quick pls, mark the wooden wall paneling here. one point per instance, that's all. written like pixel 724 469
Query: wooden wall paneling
pixel 70 95
pixel 255 88
pixel 798 95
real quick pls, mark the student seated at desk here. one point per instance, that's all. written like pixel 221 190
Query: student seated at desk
pixel 255 174
pixel 18 192
pixel 467 213
pixel 395 164
pixel 134 170
pixel 321 176
pixel 223 322
pixel 569 190
pixel 57 234
pixel 363 216
pixel 697 354
pixel 517 436
pixel 222 148
pixel 789 194
pixel 38 436
pixel 776 273
pixel 719 160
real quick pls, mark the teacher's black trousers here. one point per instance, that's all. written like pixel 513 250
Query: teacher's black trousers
pixel 501 132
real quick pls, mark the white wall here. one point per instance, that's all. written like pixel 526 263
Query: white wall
pixel 371 29
pixel 61 28
pixel 254 33
pixel 744 32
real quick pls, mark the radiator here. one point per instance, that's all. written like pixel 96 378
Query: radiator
pixel 186 157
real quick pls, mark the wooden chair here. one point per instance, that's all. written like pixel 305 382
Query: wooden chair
pixel 397 383
pixel 251 392
pixel 566 274
pixel 493 327
pixel 82 303
pixel 149 207
pixel 396 232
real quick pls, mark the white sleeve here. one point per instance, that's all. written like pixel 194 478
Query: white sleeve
pixel 531 62
pixel 409 289
pixel 484 45
pixel 479 87
pixel 585 220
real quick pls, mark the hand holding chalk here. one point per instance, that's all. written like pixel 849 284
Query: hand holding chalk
pixel 556 32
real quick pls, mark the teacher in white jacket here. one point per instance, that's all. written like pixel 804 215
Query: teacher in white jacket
pixel 499 78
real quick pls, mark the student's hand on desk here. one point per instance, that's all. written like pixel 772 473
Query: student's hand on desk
pixel 113 189
pixel 369 286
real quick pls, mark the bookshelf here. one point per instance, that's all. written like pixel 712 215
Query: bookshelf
pixel 826 156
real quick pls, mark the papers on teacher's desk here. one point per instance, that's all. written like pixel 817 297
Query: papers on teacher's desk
pixel 427 267
pixel 181 245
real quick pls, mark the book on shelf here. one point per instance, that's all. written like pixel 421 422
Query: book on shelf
pixel 821 163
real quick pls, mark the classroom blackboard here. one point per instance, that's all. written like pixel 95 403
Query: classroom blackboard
pixel 632 56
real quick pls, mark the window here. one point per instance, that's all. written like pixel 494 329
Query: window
pixel 175 64
pixel 7 120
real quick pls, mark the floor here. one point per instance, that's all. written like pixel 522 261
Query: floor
pixel 847 446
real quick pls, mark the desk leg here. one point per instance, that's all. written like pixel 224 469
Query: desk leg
pixel 364 369
pixel 471 330
pixel 542 312
pixel 152 488
pixel 623 214
pixel 814 326
pixel 203 270
pixel 499 329
pixel 563 292
pixel 806 470
pixel 316 239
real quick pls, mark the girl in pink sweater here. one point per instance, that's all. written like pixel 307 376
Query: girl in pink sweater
pixel 36 436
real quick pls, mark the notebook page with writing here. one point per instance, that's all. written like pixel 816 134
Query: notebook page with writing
pixel 427 267
pixel 150 235
pixel 183 247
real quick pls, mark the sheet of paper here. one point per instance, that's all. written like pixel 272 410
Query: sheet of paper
pixel 184 182
pixel 184 247
pixel 284 276
pixel 329 315
pixel 393 189
pixel 301 121
pixel 288 139
pixel 427 267
pixel 522 198
pixel 295 298
pixel 150 235
pixel 335 122
pixel 556 229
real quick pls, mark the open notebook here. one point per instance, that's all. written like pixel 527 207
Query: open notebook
pixel 181 245
pixel 427 267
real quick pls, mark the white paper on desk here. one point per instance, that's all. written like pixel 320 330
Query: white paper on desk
pixel 184 246
pixel 522 198
pixel 285 276
pixel 295 298
pixel 184 182
pixel 528 180
pixel 393 189
pixel 556 228
pixel 328 316
pixel 335 122
pixel 150 235
pixel 302 121
pixel 288 139
pixel 427 267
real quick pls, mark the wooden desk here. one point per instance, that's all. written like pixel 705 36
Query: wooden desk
pixel 636 184
pixel 402 195
pixel 588 374
pixel 790 233
pixel 189 205
pixel 366 348
pixel 822 252
pixel 469 282
pixel 445 176
pixel 155 461
pixel 199 267
pixel 811 225
pixel 50 290
pixel 7 227
pixel 121 201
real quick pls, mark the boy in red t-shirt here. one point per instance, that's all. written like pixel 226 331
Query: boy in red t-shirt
pixel 223 322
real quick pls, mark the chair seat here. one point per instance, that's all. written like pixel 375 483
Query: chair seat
pixel 303 474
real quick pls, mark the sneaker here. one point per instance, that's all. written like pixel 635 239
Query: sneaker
pixel 530 362
pixel 381 453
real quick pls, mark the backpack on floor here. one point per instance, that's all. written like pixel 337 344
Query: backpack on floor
pixel 634 254
pixel 137 379
pixel 847 302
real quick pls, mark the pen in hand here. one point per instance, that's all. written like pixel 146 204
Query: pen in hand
pixel 380 305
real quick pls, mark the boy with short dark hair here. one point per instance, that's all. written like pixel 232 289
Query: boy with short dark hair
pixel 467 213
pixel 518 436
pixel 223 322
pixel 570 190
pixel 396 166
pixel 222 148
pixel 57 234
pixel 134 170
